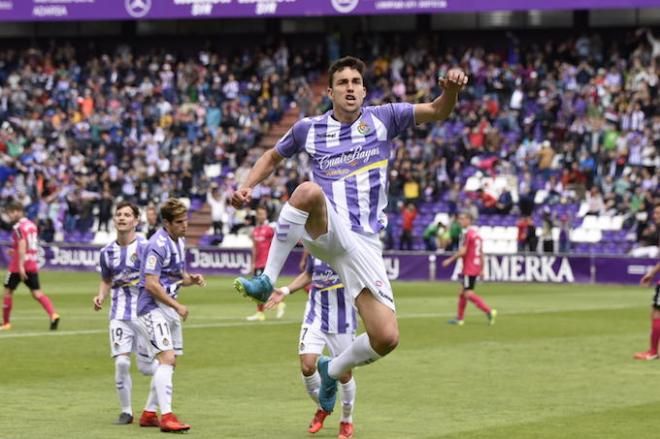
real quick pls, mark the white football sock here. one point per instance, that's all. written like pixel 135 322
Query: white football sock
pixel 164 388
pixel 358 353
pixel 347 400
pixel 313 385
pixel 123 382
pixel 290 228
pixel 152 398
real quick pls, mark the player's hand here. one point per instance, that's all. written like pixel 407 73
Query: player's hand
pixel 198 279
pixel 182 310
pixel 446 263
pixel 241 197
pixel 646 280
pixel 22 274
pixel 454 82
pixel 275 298
pixel 98 303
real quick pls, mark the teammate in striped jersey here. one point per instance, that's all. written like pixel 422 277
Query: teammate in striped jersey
pixel 120 273
pixel 329 320
pixel 338 215
pixel 162 273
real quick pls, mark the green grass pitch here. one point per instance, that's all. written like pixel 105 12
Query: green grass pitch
pixel 558 364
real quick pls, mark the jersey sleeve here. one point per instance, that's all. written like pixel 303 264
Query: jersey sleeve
pixel 153 260
pixel 106 273
pixel 397 117
pixel 294 139
pixel 309 267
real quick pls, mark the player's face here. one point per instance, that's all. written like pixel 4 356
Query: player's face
pixel 124 219
pixel 178 226
pixel 464 221
pixel 347 92
pixel 14 215
pixel 261 216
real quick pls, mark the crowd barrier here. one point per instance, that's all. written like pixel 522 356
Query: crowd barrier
pixel 406 266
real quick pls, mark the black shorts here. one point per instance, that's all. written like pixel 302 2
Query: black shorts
pixel 258 271
pixel 469 282
pixel 656 297
pixel 13 279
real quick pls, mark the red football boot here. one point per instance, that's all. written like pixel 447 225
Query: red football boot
pixel 317 421
pixel 345 430
pixel 149 419
pixel 169 423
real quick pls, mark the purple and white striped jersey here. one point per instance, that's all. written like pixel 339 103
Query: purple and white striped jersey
pixel 329 306
pixel 120 266
pixel 350 161
pixel 165 258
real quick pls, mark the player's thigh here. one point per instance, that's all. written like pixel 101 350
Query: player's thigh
pixel 32 282
pixel 332 244
pixel 656 299
pixel 379 319
pixel 469 283
pixel 11 281
pixel 311 341
pixel 162 333
pixel 364 269
pixel 122 338
pixel 338 343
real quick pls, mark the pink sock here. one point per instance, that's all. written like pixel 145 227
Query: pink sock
pixel 478 302
pixel 48 306
pixel 6 309
pixel 655 335
pixel 462 303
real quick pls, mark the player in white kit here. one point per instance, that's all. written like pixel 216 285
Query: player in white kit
pixel 330 320
pixel 120 273
pixel 339 214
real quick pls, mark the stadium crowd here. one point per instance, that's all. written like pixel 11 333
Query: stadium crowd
pixel 546 132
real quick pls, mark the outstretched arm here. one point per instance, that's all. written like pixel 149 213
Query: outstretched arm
pixel 261 169
pixel 442 106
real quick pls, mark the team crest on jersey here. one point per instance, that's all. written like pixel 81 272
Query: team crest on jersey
pixel 302 346
pixel 363 128
pixel 134 257
pixel 166 342
pixel 151 262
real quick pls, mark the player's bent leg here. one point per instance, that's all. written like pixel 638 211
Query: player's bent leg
pixel 379 322
pixel 124 385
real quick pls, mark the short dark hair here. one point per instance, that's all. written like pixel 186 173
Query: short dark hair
pixel 347 62
pixel 15 206
pixel 172 208
pixel 133 207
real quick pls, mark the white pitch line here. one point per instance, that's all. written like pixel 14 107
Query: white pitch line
pixel 234 324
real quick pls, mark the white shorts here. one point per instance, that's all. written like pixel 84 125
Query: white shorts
pixel 313 340
pixel 162 333
pixel 358 259
pixel 126 337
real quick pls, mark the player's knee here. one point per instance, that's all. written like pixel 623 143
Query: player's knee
pixel 122 364
pixel 308 368
pixel 346 377
pixel 386 342
pixel 306 196
pixel 167 357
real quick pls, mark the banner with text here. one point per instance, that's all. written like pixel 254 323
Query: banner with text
pixel 399 265
pixel 53 10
